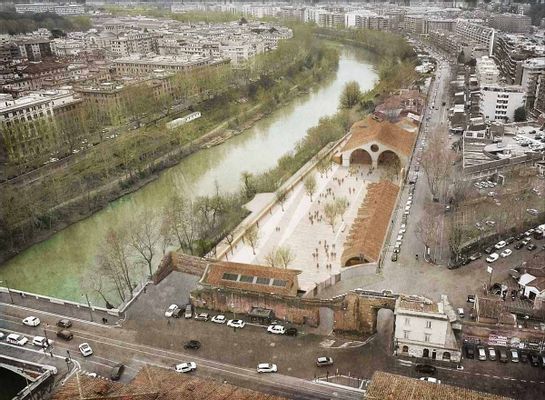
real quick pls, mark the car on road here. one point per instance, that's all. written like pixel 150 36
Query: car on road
pixel 236 323
pixel 85 349
pixel 40 341
pixel 324 361
pixel 492 257
pixel 492 354
pixel 431 379
pixel 500 245
pixel 65 334
pixel 461 312
pixel 116 372
pixel 19 340
pixel 177 313
pixel 503 355
pixel 514 355
pixel 531 247
pixel 64 323
pixel 475 256
pixel 471 298
pixel 31 321
pixel 291 332
pixel 481 353
pixel 202 317
pixel 506 253
pixel 219 319
pixel 518 246
pixel 188 311
pixel 192 345
pixel 266 367
pixel 170 310
pixel 526 241
pixel 276 329
pixel 185 367
pixel 532 211
pixel 425 369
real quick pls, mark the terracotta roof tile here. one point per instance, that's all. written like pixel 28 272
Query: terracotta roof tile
pixel 369 229
pixel 372 129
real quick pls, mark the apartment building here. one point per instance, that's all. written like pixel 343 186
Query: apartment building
pixel 539 102
pixel 425 329
pixel 500 102
pixel 414 24
pixel 138 65
pixel 60 9
pixel 476 31
pixel 35 49
pixel 29 129
pixel 134 43
pixel 513 23
pixel 327 19
pixel 532 69
pixel 486 71
pixel 363 19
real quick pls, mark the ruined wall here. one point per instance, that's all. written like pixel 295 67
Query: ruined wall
pixel 358 313
pixel 178 261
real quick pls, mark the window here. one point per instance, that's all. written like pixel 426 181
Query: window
pixel 279 282
pixel 428 324
pixel 407 321
pixel 246 278
pixel 406 334
pixel 427 337
pixel 263 281
pixel 229 277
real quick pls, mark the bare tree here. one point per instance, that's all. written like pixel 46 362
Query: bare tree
pixel 310 185
pixel 281 197
pixel 324 166
pixel 456 235
pixel 144 236
pixel 252 237
pixel 428 227
pixel 341 204
pixel 180 217
pixel 437 161
pixel 115 251
pixel 280 257
pixel 94 282
pixel 331 212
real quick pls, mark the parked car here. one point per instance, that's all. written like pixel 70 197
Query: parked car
pixel 185 367
pixel 170 310
pixel 188 311
pixel 431 379
pixel 531 247
pixel 276 329
pixel 202 317
pixel 117 371
pixel 65 334
pixel 219 319
pixel 64 323
pixel 40 341
pixel 520 236
pixel 14 338
pixel 489 250
pixel 526 241
pixel 523 356
pixel 514 355
pixel 500 245
pixel 475 256
pixel 471 298
pixel 31 321
pixel 461 312
pixel 532 211
pixel 470 351
pixel 481 353
pixel 266 367
pixel 192 345
pixel 519 246
pixel 85 349
pixel 291 331
pixel 492 354
pixel 236 323
pixel 506 253
pixel 503 355
pixel 534 360
pixel 425 369
pixel 324 361
pixel 177 313
pixel 492 258
pixel 510 240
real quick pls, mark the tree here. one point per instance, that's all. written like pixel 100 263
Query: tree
pixel 144 236
pixel 350 95
pixel 281 198
pixel 331 212
pixel 280 257
pixel 455 233
pixel 341 204
pixel 179 215
pixel 310 185
pixel 324 166
pixel 437 161
pixel 520 114
pixel 428 227
pixel 252 237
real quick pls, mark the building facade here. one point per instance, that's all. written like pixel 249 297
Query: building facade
pixel 500 102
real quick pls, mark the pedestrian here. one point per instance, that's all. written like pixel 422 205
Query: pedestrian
pixel 168 321
pixel 416 257
pixel 145 289
pixel 317 265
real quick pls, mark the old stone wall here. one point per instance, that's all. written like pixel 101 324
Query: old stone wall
pixel 358 313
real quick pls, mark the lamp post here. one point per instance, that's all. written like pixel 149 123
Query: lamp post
pixel 89 305
pixel 9 291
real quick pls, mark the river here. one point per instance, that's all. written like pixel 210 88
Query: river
pixel 55 266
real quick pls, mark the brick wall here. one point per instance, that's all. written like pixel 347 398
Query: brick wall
pixel 358 313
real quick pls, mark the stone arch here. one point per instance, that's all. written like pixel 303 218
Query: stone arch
pixel 389 158
pixel 356 260
pixel 405 349
pixel 426 353
pixel 446 355
pixel 360 156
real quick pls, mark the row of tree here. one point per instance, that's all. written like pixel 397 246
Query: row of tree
pixel 14 23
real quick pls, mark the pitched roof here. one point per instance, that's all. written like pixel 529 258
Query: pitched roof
pixel 154 383
pixel 417 304
pixel 369 229
pixel 489 307
pixel 251 277
pixel 385 386
pixel 373 129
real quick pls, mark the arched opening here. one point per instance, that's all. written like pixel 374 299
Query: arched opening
pixel 355 261
pixel 385 329
pixel 446 355
pixel 360 156
pixel 426 353
pixel 389 158
pixel 405 349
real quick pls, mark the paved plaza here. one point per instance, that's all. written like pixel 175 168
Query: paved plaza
pixel 303 228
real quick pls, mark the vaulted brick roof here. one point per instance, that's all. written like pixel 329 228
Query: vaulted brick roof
pixel 373 129
pixel 368 231
pixel 265 279
pixel 154 383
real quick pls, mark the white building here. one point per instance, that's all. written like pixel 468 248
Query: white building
pixel 477 31
pixel 425 329
pixel 183 120
pixel 531 71
pixel 64 9
pixel 487 72
pixel 138 65
pixel 500 102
